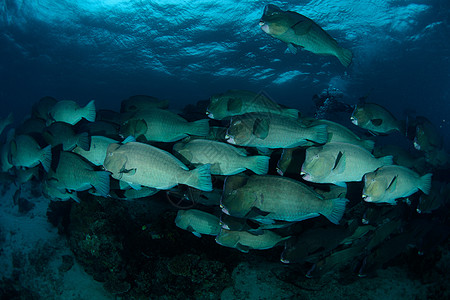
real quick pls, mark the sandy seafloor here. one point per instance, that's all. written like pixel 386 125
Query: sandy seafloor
pixel 31 252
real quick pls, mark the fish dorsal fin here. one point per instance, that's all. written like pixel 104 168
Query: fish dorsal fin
pixel 392 184
pixel 376 122
pixel 339 164
pixel 261 128
pixel 303 26
pixel 234 105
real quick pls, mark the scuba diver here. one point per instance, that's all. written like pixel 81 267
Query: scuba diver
pixel 330 101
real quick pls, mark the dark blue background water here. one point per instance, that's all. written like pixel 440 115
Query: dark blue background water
pixel 187 50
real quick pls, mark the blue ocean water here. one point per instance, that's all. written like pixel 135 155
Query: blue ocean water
pixel 186 51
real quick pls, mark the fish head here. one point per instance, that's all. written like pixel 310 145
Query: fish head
pixel 240 131
pixel 115 160
pixel 317 165
pixel 217 107
pixel 180 220
pixel 235 200
pixel 273 20
pixel 133 127
pixel 360 116
pixel 375 187
pixel 228 238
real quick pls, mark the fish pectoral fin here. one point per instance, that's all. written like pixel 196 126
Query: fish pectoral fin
pixel 339 164
pixel 135 186
pixel 302 27
pixel 376 122
pixel 196 234
pixel 242 248
pixel 256 212
pixel 189 228
pixel 291 48
pixel 261 128
pixel 128 171
pixel 392 184
pixel 234 105
pixel 341 184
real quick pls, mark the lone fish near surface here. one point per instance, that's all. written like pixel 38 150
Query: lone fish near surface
pixel 299 31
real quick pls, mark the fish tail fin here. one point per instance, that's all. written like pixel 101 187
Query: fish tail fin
pixel 337 210
pixel 101 182
pixel 46 157
pixel 258 164
pixel 368 144
pixel 199 128
pixel 425 183
pixel 292 112
pixel 200 178
pixel 345 56
pixel 320 134
pixel 89 111
pixel 386 160
pixel 83 141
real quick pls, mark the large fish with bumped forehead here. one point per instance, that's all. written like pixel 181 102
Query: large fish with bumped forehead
pixel 26 152
pixel 375 118
pixel 224 158
pixel 239 102
pixel 140 164
pixel 389 183
pixel 299 31
pixel 198 222
pixel 338 163
pixel 279 198
pixel 70 112
pixel 244 241
pixel 160 125
pixel 73 173
pixel 266 130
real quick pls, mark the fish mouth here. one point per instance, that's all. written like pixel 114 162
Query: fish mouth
pixel 261 23
pixel 305 176
pixel 230 139
pixel 225 211
pixel 210 115
pixel 366 198
pixel 354 120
